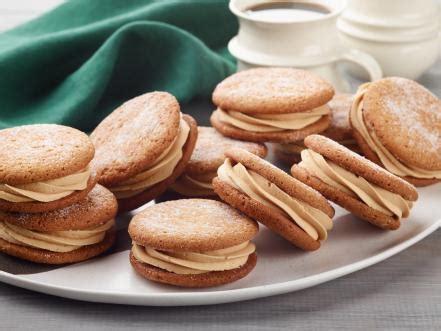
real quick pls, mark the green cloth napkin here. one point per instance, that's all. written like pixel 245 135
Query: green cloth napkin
pixel 77 63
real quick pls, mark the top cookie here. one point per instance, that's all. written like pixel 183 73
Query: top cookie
pixel 406 118
pixel 340 129
pixel 97 208
pixel 360 166
pixel 34 153
pixel 208 154
pixel 134 136
pixel 272 91
pixel 195 225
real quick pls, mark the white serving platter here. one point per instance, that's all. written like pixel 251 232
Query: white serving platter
pixel 281 268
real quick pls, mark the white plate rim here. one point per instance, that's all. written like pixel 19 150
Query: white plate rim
pixel 213 297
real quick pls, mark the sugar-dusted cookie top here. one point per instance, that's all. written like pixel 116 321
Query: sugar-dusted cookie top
pixel 272 90
pixel 406 118
pixel 39 152
pixel 97 208
pixel 135 135
pixel 195 225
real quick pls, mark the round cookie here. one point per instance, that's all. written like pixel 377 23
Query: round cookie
pixel 35 163
pixel 304 231
pixel 272 91
pixel 397 124
pixel 96 211
pixel 271 105
pixel 136 142
pixel 192 243
pixel 207 156
pixel 346 184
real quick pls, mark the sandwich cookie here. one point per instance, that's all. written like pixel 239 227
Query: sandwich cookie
pixel 340 130
pixel 72 234
pixel 143 147
pixel 397 124
pixel 207 156
pixel 355 183
pixel 280 105
pixel 44 167
pixel 192 243
pixel 267 194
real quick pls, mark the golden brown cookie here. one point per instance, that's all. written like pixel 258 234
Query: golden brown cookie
pixel 355 183
pixel 98 207
pixel 73 234
pixel 207 156
pixel 265 193
pixel 44 167
pixel 397 124
pixel 272 91
pixel 271 105
pixel 142 147
pixel 192 243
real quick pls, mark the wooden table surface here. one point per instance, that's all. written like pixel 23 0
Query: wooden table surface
pixel 401 292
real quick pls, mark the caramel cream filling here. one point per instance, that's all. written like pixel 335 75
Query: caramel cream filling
pixel 272 122
pixel 311 220
pixel 57 241
pixel 186 263
pixel 46 191
pixel 374 196
pixel 190 186
pixel 161 169
pixel 387 159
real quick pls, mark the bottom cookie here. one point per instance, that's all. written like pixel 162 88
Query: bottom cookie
pixel 48 257
pixel 213 278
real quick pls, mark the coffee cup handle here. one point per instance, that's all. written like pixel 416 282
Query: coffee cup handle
pixel 365 61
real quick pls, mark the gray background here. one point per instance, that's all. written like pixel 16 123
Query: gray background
pixel 401 292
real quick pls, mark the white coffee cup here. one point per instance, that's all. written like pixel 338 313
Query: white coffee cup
pixel 404 36
pixel 310 43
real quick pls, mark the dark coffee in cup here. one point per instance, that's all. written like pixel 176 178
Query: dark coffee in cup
pixel 286 11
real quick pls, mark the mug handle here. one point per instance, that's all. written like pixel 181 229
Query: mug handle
pixel 365 61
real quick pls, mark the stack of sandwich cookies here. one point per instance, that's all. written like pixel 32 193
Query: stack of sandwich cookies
pixel 280 105
pixel 44 167
pixel 267 194
pixel 192 243
pixel 355 183
pixel 72 234
pixel 207 156
pixel 339 130
pixel 143 147
pixel 397 124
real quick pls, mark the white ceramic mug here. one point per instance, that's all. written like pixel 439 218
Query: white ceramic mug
pixel 404 36
pixel 311 43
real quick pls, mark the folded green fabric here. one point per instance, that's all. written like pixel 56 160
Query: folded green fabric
pixel 78 62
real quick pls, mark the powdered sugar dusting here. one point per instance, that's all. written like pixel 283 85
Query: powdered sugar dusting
pixel 419 113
